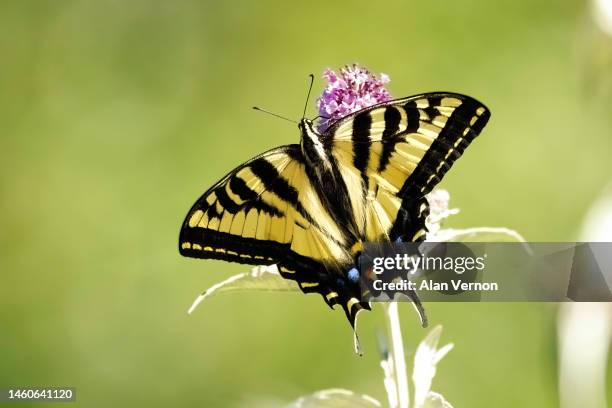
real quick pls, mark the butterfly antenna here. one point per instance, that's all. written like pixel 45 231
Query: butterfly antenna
pixel 274 114
pixel 308 96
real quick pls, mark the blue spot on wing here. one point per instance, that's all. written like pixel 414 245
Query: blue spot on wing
pixel 353 275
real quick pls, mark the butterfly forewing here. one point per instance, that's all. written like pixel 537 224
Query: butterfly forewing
pixel 394 153
pixel 263 212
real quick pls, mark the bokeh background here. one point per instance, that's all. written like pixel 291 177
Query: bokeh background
pixel 115 116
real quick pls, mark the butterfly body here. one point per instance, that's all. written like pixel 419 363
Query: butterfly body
pixel 309 207
pixel 329 184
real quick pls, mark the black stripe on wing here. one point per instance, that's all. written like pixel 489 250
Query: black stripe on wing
pixel 464 124
pixel 361 144
pixel 392 122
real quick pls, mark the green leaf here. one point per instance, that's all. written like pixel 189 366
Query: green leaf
pixel 335 398
pixel 261 278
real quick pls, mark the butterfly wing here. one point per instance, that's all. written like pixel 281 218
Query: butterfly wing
pixel 266 211
pixel 394 153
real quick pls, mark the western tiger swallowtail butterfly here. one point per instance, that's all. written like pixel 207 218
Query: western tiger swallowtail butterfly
pixel 309 207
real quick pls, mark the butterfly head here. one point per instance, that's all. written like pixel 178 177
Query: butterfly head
pixel 308 130
pixel 312 145
pixel 305 124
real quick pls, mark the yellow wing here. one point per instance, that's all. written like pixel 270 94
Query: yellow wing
pixel 265 211
pixel 392 154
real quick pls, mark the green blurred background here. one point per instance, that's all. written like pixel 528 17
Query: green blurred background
pixel 115 116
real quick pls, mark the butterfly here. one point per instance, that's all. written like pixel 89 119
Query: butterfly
pixel 309 208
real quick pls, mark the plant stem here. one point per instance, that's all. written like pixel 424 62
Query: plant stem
pixel 397 352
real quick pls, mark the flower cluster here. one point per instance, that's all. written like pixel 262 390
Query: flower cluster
pixel 438 211
pixel 351 89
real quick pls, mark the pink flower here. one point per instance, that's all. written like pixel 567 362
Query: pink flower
pixel 350 90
